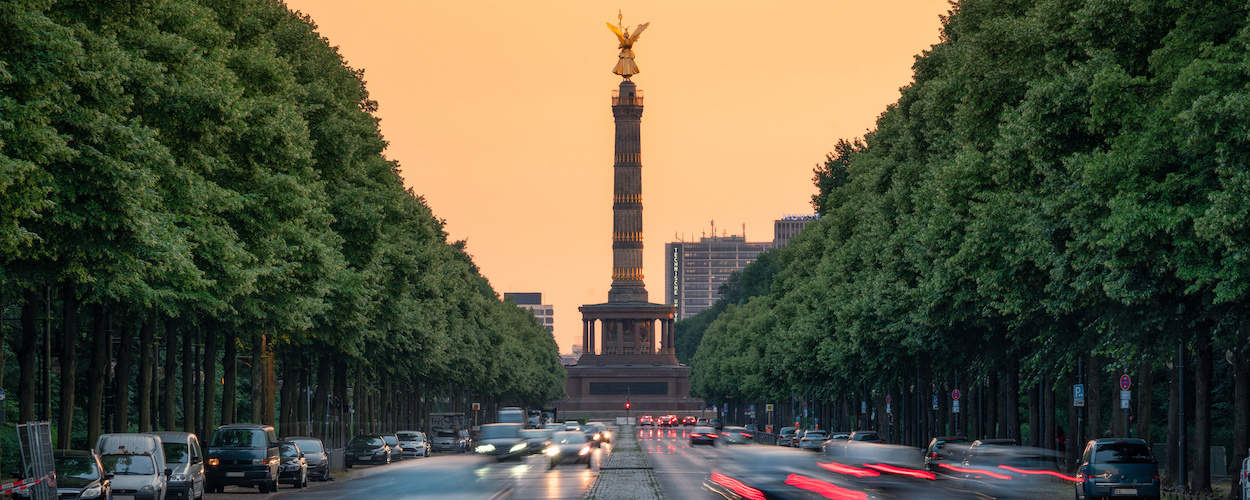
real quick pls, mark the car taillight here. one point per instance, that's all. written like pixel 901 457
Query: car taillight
pixel 696 434
pixel 745 435
pixel 933 455
pixel 712 435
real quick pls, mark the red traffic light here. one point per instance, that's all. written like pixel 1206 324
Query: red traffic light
pixel 627 405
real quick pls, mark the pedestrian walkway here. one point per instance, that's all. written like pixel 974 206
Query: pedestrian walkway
pixel 626 474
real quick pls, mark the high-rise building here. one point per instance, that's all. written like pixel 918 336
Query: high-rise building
pixel 786 228
pixel 694 271
pixel 533 302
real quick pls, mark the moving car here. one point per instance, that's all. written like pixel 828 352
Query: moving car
pixel 368 449
pixel 785 437
pixel 397 451
pixel 79 475
pixel 689 420
pixel 1115 467
pixel 243 455
pixel 502 441
pixel 446 440
pixel 668 420
pixel 865 437
pixel 813 440
pixel 511 415
pixel 735 435
pixel 413 443
pixel 537 440
pixel 572 425
pixel 137 462
pixel 944 448
pixel 646 420
pixel 185 458
pixel 314 455
pixel 568 446
pixel 703 435
pixel 293 468
pixel 596 433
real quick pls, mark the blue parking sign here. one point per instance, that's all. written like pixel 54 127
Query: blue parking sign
pixel 1078 395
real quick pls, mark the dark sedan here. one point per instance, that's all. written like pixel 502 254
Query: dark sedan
pixel 315 455
pixel 294 467
pixel 367 450
pixel 943 449
pixel 502 441
pixel 703 435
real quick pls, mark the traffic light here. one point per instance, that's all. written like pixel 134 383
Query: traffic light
pixel 627 405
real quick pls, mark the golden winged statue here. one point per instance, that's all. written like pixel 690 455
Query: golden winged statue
pixel 625 65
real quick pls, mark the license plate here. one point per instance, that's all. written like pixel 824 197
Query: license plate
pixel 234 474
pixel 366 457
pixel 1124 491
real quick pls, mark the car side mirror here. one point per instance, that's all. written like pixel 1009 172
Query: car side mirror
pixel 108 476
pixel 169 472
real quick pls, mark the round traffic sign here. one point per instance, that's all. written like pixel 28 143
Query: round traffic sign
pixel 955 394
pixel 1125 382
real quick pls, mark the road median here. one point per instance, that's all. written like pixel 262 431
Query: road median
pixel 626 472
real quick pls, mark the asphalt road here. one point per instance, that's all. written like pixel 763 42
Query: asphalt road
pixel 678 468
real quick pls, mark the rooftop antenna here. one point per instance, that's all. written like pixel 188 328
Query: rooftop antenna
pixel 744 231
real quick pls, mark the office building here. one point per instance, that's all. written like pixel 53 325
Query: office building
pixel 533 302
pixel 694 271
pixel 786 228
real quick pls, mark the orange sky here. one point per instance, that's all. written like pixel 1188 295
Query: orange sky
pixel 499 114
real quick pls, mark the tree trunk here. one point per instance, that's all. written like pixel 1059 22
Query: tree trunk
pixel 321 398
pixel 26 387
pixel 258 379
pixel 1201 480
pixel 145 376
pixel 96 372
pixel 1035 419
pixel 991 405
pixel 1241 408
pixel 1049 416
pixel 171 370
pixel 188 378
pixel 210 379
pixel 1072 436
pixel 1145 400
pixel 1174 430
pixel 286 397
pixel 230 376
pixel 340 397
pixel 271 381
pixel 69 364
pixel 121 399
pixel 1012 403
pixel 1094 398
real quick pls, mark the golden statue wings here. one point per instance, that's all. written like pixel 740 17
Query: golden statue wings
pixel 625 65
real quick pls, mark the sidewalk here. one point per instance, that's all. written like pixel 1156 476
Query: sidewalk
pixel 626 474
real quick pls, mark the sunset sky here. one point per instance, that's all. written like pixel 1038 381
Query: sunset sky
pixel 499 115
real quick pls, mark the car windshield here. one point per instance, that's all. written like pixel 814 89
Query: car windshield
pixel 238 438
pixel 289 450
pixel 391 440
pixel 445 434
pixel 536 433
pixel 568 438
pixel 366 441
pixel 175 453
pixel 866 436
pixel 309 445
pixel 500 431
pixel 76 467
pixel 1123 453
pixel 814 435
pixel 408 436
pixel 129 465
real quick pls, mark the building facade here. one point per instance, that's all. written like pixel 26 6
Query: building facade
pixel 786 228
pixel 533 302
pixel 694 271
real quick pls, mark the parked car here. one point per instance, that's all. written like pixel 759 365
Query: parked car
pixel 646 420
pixel 502 441
pixel 785 437
pixel 813 440
pixel 537 440
pixel 137 463
pixel 314 455
pixel 294 467
pixel 703 435
pixel 865 437
pixel 944 449
pixel 569 446
pixel 397 451
pixel 185 458
pixel 79 475
pixel 413 443
pixel 1117 467
pixel 243 455
pixel 446 440
pixel 370 449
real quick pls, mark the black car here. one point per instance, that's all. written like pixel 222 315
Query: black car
pixel 315 455
pixel 79 474
pixel 703 435
pixel 945 448
pixel 1118 467
pixel 502 441
pixel 865 437
pixel 243 455
pixel 294 468
pixel 371 449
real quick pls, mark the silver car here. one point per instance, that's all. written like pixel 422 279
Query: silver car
pixel 413 443
pixel 445 440
pixel 135 475
pixel 186 461
pixel 813 440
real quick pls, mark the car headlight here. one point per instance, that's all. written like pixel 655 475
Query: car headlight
pixel 92 492
pixel 178 477
pixel 147 489
pixel 273 461
pixel 517 447
pixel 552 451
pixel 213 462
pixel 584 450
pixel 486 448
pixel 598 436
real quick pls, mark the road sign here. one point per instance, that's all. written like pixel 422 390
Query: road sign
pixel 1125 397
pixel 477 406
pixel 955 406
pixel 768 407
pixel 1 395
pixel 955 394
pixel 935 402
pixel 1126 383
pixel 1078 395
pixel 863 407
pixel 888 399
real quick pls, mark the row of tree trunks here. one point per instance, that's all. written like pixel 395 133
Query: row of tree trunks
pixel 145 376
pixel 229 376
pixel 69 364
